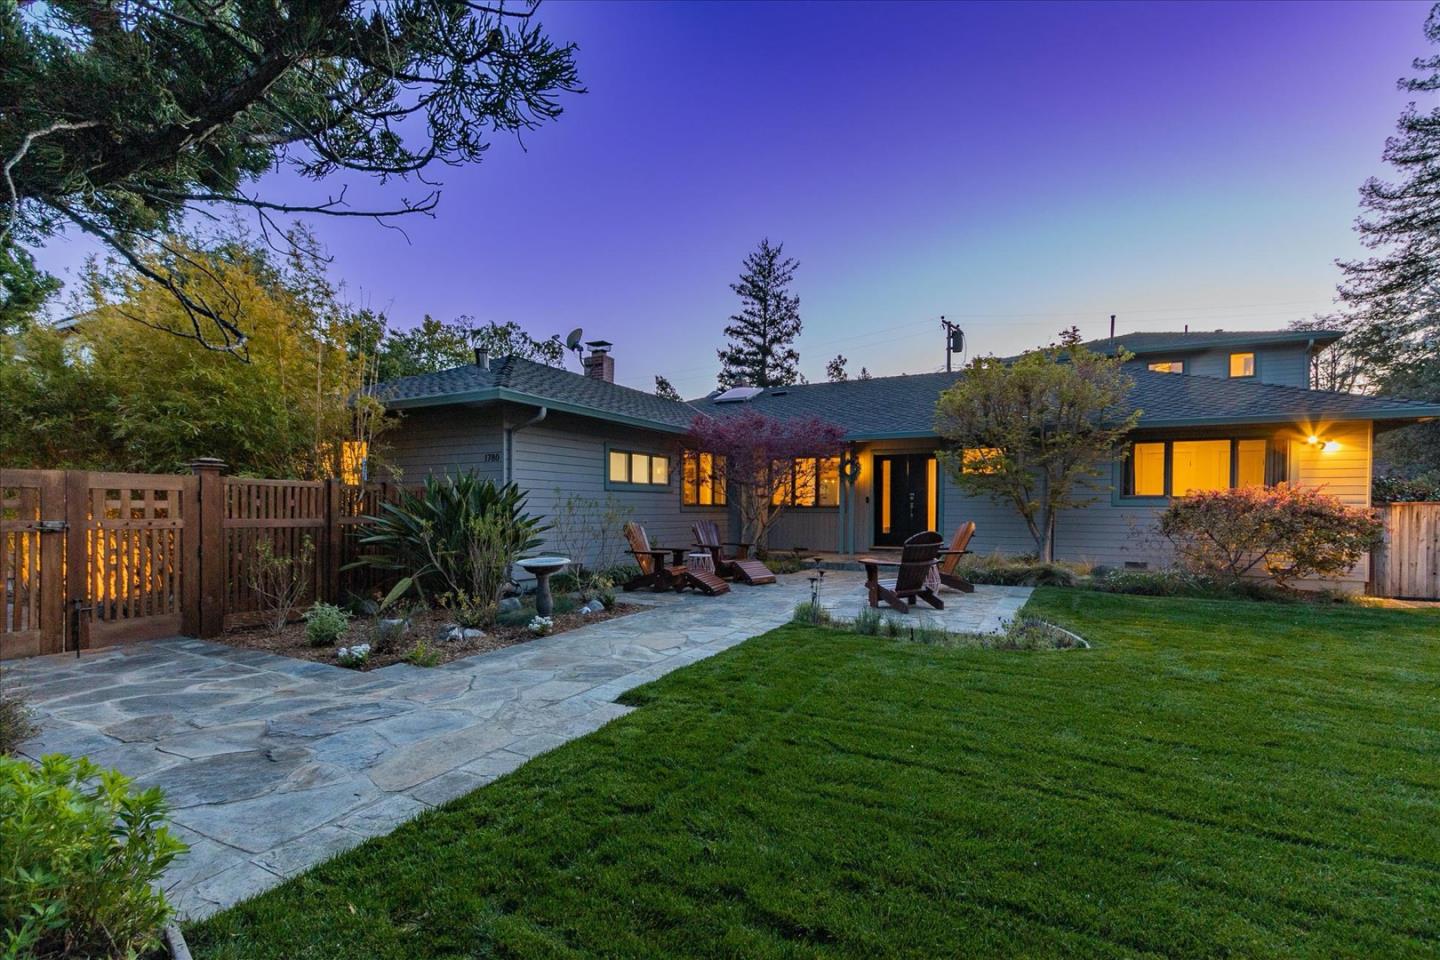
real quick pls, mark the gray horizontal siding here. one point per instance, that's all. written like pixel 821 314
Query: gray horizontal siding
pixel 445 440
pixel 1285 365
pixel 564 456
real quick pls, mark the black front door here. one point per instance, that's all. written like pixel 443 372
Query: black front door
pixel 902 497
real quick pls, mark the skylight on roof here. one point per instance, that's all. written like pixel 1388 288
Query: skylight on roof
pixel 739 394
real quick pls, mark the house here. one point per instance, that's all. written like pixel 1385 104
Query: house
pixel 1218 409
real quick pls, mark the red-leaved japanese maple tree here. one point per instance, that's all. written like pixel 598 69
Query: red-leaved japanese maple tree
pixel 758 451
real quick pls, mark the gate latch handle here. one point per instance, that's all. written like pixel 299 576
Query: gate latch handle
pixel 52 526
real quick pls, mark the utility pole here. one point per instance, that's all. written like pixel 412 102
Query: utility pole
pixel 954 340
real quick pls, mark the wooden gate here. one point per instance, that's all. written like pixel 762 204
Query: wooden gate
pixel 90 559
pixel 32 550
pixel 1407 564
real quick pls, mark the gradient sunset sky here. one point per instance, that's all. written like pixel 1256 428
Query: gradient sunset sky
pixel 1018 168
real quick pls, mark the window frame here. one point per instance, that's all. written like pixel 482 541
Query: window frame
pixel 793 486
pixel 1277 466
pixel 630 453
pixel 719 482
pixel 1230 365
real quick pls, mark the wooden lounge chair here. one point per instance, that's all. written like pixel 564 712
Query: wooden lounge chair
pixel 736 566
pixel 918 557
pixel 664 569
pixel 950 559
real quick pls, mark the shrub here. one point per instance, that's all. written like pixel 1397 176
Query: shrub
pixel 784 562
pixel 1394 489
pixel 541 626
pixel 1288 532
pixel 280 582
pixel 1182 583
pixel 469 612
pixel 80 853
pixel 812 613
pixel 428 536
pixel 387 633
pixel 868 622
pixel 421 655
pixel 324 624
pixel 16 723
pixel 355 657
pixel 1031 633
pixel 1020 572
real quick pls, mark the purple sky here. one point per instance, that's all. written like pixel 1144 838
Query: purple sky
pixel 1016 167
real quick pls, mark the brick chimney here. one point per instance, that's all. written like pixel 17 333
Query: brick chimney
pixel 599 365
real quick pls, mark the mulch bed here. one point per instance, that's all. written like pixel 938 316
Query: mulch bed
pixel 426 625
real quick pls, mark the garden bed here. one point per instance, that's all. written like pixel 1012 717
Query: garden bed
pixel 427 629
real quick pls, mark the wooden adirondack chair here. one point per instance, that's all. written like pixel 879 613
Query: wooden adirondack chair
pixel 918 558
pixel 664 569
pixel 736 566
pixel 950 559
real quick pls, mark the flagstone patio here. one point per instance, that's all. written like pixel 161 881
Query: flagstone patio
pixel 272 765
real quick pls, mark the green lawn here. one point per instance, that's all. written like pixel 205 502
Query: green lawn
pixel 1214 778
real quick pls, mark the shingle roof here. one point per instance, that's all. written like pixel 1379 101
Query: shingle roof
pixel 902 406
pixel 1153 342
pixel 905 406
pixel 525 381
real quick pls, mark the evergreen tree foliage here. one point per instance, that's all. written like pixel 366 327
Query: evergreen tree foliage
pixel 664 388
pixel 1393 296
pixel 835 369
pixel 120 119
pixel 761 351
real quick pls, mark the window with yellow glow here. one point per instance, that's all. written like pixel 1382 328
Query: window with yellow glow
pixel 979 460
pixel 638 469
pixel 703 479
pixel 1178 468
pixel 1168 366
pixel 1147 466
pixel 1250 463
pixel 1199 465
pixel 806 482
pixel 885 500
pixel 1242 364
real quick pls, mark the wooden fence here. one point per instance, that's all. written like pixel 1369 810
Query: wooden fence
pixel 89 559
pixel 1407 564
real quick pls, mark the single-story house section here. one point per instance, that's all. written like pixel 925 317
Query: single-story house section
pixel 1218 410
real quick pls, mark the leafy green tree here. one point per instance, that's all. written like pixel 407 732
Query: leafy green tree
pixel 1393 296
pixel 437 345
pixel 120 119
pixel 24 288
pixel 121 392
pixel 1032 432
pixel 664 388
pixel 761 350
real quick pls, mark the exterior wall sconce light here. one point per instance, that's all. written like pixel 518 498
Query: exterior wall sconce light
pixel 1326 446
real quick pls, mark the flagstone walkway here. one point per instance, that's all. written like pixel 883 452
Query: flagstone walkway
pixel 272 765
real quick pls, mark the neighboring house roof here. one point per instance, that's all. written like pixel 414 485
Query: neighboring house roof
pixel 1149 344
pixel 881 407
pixel 525 381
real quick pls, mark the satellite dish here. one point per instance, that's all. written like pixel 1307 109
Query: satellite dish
pixel 573 341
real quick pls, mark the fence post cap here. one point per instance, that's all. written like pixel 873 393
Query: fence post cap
pixel 207 463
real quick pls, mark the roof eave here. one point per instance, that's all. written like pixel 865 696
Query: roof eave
pixel 505 394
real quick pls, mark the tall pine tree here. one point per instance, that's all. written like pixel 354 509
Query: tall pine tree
pixel 1393 296
pixel 761 351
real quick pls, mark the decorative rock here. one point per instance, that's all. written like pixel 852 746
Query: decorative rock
pixel 509 604
pixel 464 633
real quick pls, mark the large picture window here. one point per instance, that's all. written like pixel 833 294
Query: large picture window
pixel 1177 468
pixel 702 479
pixel 636 469
pixel 807 482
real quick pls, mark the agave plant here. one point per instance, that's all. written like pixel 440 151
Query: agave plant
pixel 427 534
